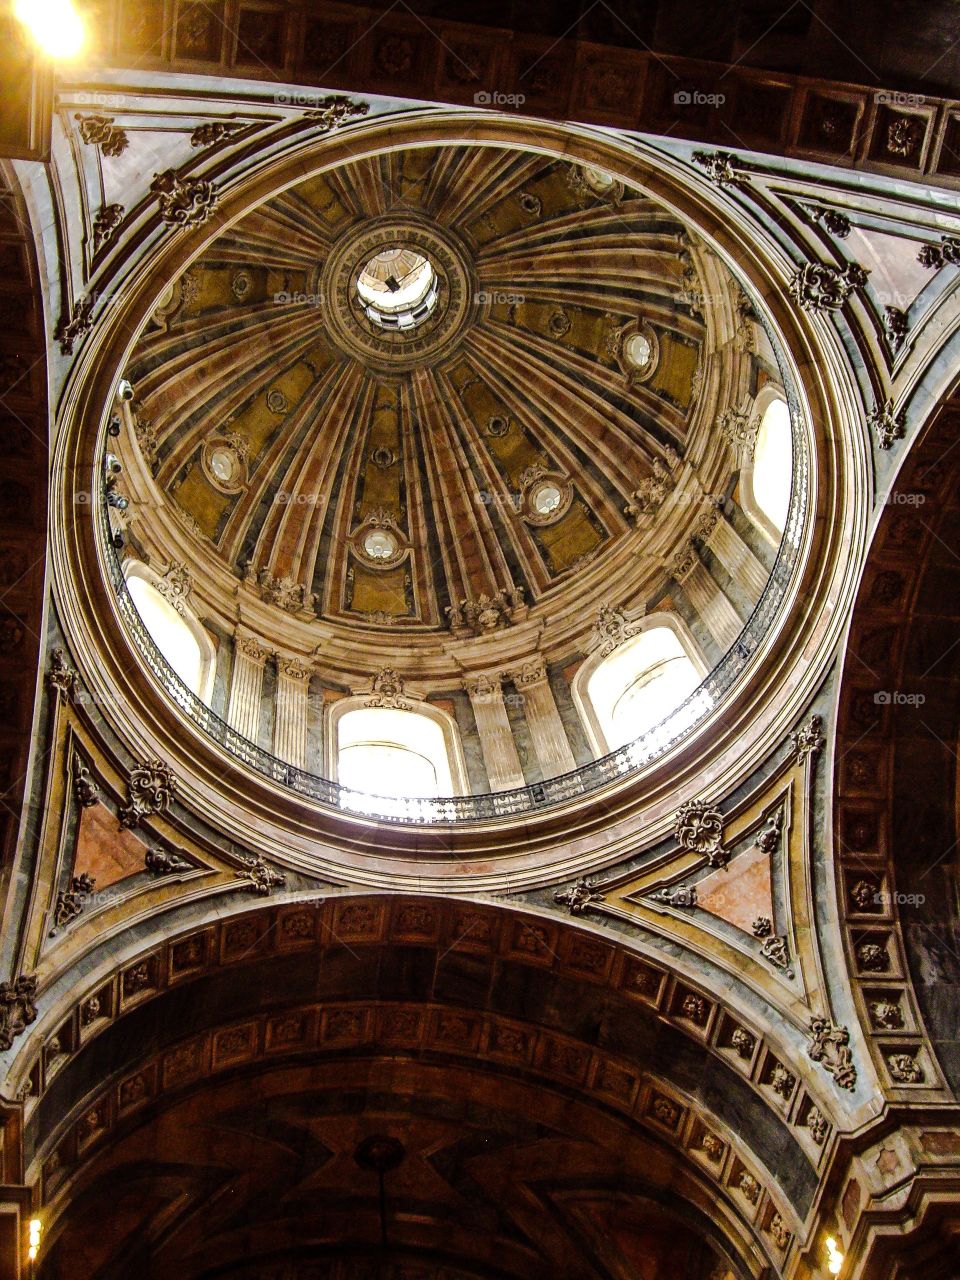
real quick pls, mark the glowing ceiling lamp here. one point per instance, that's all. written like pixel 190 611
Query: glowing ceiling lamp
pixel 36 1231
pixel 834 1256
pixel 54 25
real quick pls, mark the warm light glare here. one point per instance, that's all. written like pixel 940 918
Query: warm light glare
pixel 834 1257
pixel 36 1230
pixel 55 25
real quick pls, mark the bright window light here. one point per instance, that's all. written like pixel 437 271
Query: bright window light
pixel 639 684
pixel 170 632
pixel 773 464
pixel 54 25
pixel 387 752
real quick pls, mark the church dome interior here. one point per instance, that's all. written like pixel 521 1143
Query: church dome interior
pixel 480 686
pixel 476 404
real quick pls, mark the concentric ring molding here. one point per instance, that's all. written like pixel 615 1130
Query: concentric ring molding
pixel 555 843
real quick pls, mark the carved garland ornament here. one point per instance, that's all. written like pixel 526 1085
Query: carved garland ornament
pixel 260 878
pixel 60 677
pixel 888 424
pixel 808 740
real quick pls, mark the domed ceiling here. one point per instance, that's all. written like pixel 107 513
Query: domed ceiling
pixel 542 371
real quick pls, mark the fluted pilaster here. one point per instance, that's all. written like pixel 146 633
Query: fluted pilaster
pixel 496 736
pixel 246 686
pixel 543 719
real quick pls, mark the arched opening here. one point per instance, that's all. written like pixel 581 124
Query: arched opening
pixel 181 640
pixel 391 752
pixel 639 684
pixel 768 477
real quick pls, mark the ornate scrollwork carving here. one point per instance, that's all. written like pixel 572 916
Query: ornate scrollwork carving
pixel 334 111
pixel 18 1008
pixel 84 788
pixel 260 878
pixel 699 829
pixel 721 167
pixel 611 628
pixel 175 585
pixel 214 131
pixel 149 791
pixel 682 896
pixel 387 690
pixel 184 202
pixel 946 253
pixel 776 951
pixel 75 327
pixel 106 224
pixel 580 897
pixel 830 1046
pixel 808 740
pixel 160 862
pixel 60 677
pixel 100 131
pixel 71 902
pixel 818 287
pixel 888 424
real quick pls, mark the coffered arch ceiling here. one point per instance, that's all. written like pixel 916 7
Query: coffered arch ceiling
pixel 547 1114
pixel 546 270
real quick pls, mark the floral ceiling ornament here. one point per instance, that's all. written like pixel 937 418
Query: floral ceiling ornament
pixel 905 1069
pixel 580 897
pixel 149 791
pixel 100 131
pixel 75 327
pixel 888 424
pixel 387 690
pixel 721 167
pixel 335 110
pixel 260 878
pixel 650 494
pixel 18 1008
pixel 184 202
pixel 818 287
pixel 71 902
pixel 611 628
pixel 699 829
pixel 808 740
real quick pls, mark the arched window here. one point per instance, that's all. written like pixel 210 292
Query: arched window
pixel 638 685
pixel 182 641
pixel 767 478
pixel 391 752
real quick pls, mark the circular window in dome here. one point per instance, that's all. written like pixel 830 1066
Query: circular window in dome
pixel 546 498
pixel 398 288
pixel 638 351
pixel 380 544
pixel 223 464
